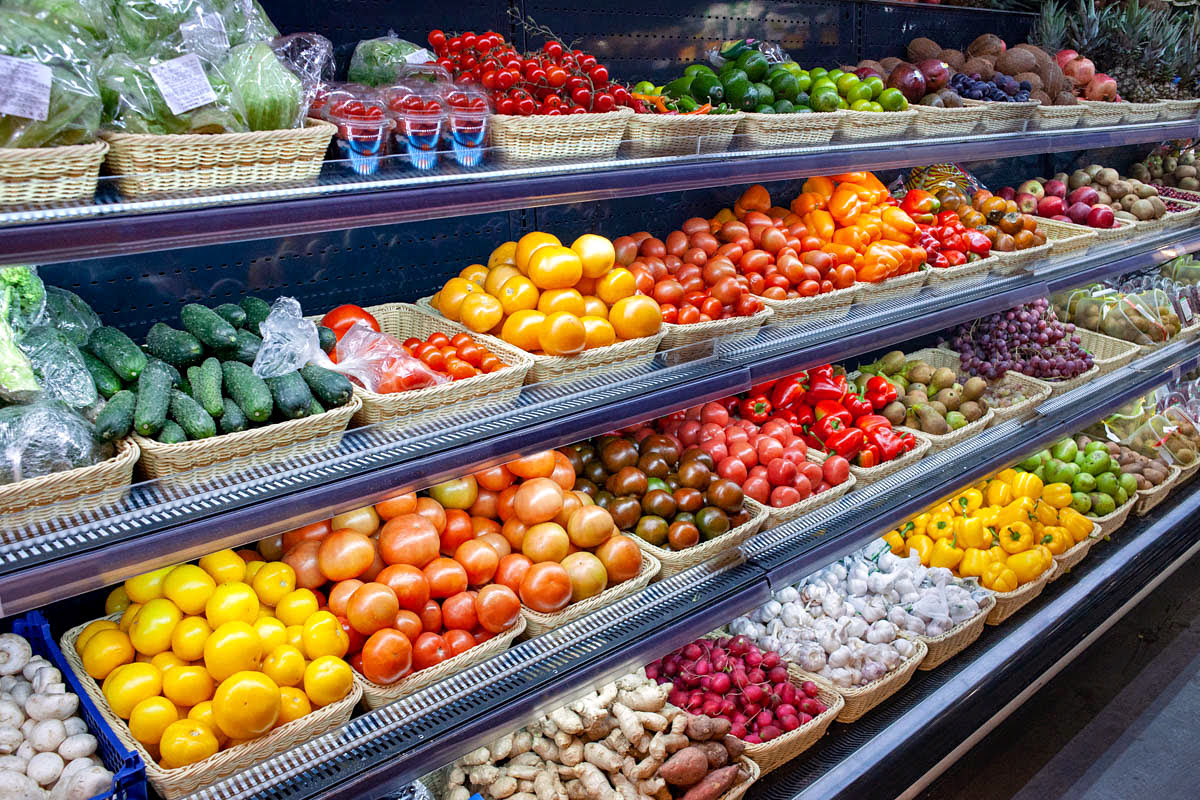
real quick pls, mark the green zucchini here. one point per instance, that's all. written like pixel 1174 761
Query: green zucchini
pixel 153 398
pixel 257 311
pixel 107 382
pixel 171 433
pixel 175 347
pixel 118 351
pixel 293 399
pixel 206 386
pixel 194 420
pixel 249 391
pixel 232 314
pixel 232 419
pixel 331 388
pixel 116 418
pixel 208 326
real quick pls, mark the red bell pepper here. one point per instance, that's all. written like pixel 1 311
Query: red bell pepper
pixel 788 392
pixel 888 441
pixel 789 416
pixel 805 414
pixel 879 391
pixel 824 385
pixel 812 441
pixel 730 404
pixel 763 388
pixel 869 457
pixel 938 260
pixel 828 426
pixel 977 243
pixel 832 408
pixel 857 405
pixel 846 443
pixel 756 409
pixel 921 206
pixel 955 258
pixel 870 423
pixel 908 442
pixel 948 217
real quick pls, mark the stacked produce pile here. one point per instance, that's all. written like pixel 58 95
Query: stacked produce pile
pixel 1103 476
pixel 957 229
pixel 1173 168
pixel 933 400
pixel 1092 196
pixel 1028 339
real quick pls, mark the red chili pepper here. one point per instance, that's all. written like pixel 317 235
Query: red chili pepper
pixel 879 391
pixel 857 405
pixel 756 409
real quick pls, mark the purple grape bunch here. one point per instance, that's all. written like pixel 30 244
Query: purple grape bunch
pixel 1028 339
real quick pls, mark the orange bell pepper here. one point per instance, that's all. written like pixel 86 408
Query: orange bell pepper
pixel 872 223
pixel 818 184
pixel 851 177
pixel 855 235
pixel 808 201
pixel 820 224
pixel 842 253
pixel 897 225
pixel 846 205
pixel 881 261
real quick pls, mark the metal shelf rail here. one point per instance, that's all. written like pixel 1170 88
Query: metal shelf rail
pixel 381 751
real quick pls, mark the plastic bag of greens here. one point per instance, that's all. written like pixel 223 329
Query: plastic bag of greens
pixel 245 21
pixel 376 62
pixel 90 16
pixel 72 113
pixel 310 58
pixel 59 366
pixel 133 102
pixel 153 27
pixel 46 437
pixel 69 313
pixel 273 96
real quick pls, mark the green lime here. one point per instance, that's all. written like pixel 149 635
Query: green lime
pixel 842 102
pixel 835 73
pixel 794 68
pixel 698 69
pixel 765 95
pixel 784 107
pixel 754 63
pixel 860 105
pixel 804 82
pixel 742 95
pixel 764 109
pixel 817 72
pixel 708 89
pixel 876 84
pixel 824 100
pixel 846 83
pixel 859 91
pixel 644 87
pixel 784 84
pixel 822 83
pixel 679 87
pixel 875 106
pixel 892 100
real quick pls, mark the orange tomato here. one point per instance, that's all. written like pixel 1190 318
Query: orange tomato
pixel 497 607
pixel 372 606
pixel 481 312
pixel 563 334
pixel 517 294
pixel 563 474
pixel 568 300
pixel 504 254
pixel 597 332
pixel 513 531
pixel 409 539
pixel 480 560
pixel 546 541
pixel 534 465
pixel 512 570
pixel 458 530
pixel 555 267
pixel 546 587
pixel 538 500
pixel 494 479
pixel 521 329
pixel 594 307
pixel 452 296
pixel 476 273
pixel 432 510
pixel 596 253
pixel 635 317
pixel 395 506
pixel 409 584
pixel 498 276
pixel 458 611
pixel 529 244
pixel 408 623
pixel 387 656
pixel 615 285
pixel 345 554
pixel 446 577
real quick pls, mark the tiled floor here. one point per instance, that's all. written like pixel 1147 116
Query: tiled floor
pixel 1122 721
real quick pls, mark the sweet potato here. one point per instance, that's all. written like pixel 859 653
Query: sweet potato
pixel 716 753
pixel 715 784
pixel 685 768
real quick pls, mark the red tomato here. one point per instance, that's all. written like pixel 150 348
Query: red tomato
pixel 497 607
pixel 744 452
pixel 835 470
pixel 429 650
pixel 732 469
pixel 784 496
pixel 341 318
pixel 769 448
pixel 757 487
pixel 387 656
pixel 459 641
pixel 458 611
pixel 802 485
pixel 813 472
pixel 781 472
pixel 408 623
pixel 431 616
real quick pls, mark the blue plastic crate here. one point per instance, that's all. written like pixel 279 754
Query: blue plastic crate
pixel 129 773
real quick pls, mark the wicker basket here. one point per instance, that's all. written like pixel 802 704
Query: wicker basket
pixel 676 561
pixel 830 306
pixel 1121 229
pixel 1015 261
pixel 1062 387
pixel 1057 118
pixel 861 699
pixel 1009 603
pixel 948 279
pixel 739 790
pixel 1181 218
pixel 786 130
pixel 1036 392
pixel 1147 500
pixel 175 783
pixel 323 430
pixel 153 164
pixel 537 623
pixel 39 175
pixel 949 644
pixel 932 123
pixel 1005 117
pixel 890 288
pixel 1137 113
pixel 1066 237
pixel 680 134
pixel 60 493
pixel 1179 109
pixel 1107 353
pixel 1149 226
pixel 778 516
pixel 376 696
pixel 562 138
pixel 1101 114
pixel 865 476
pixel 402 321
pixel 870 126
pixel 774 754
pixel 1186 473
pixel 727 330
pixel 1070 559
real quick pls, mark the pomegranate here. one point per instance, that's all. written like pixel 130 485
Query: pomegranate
pixel 1081 71
pixel 1063 56
pixel 1101 87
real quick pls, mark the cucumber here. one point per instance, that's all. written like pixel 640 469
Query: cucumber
pixel 171 433
pixel 327 338
pixel 107 382
pixel 246 349
pixel 315 408
pixel 194 420
pixel 232 419
pixel 175 347
pixel 206 386
pixel 116 418
pixel 249 391
pixel 208 326
pixel 153 398
pixel 257 311
pixel 291 394
pixel 176 378
pixel 232 314
pixel 331 388
pixel 117 351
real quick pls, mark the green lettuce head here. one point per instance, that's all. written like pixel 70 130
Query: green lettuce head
pixel 273 96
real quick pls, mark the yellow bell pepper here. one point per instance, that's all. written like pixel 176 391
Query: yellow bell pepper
pixel 940 526
pixel 1006 475
pixel 946 553
pixel 974 563
pixel 999 578
pixel 944 508
pixel 970 533
pixel 1016 537
pixel 919 523
pixel 987 516
pixel 999 493
pixel 896 540
pixel 1047 556
pixel 1057 495
pixel 968 502
pixel 1019 510
pixel 1026 484
pixel 1057 540
pixel 1045 513
pixel 996 553
pixel 1027 565
pixel 1079 526
pixel 920 544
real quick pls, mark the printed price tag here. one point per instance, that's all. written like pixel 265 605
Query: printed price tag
pixel 422 56
pixel 205 35
pixel 183 83
pixel 24 88
pixel 1187 308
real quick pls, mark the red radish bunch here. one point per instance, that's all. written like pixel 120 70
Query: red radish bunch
pixel 732 678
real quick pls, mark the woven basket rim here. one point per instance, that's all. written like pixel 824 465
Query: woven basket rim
pixel 711 120
pixel 562 120
pixel 1061 111
pixel 790 120
pixel 312 127
pixel 98 147
pixel 804 303
pixel 126 451
pixel 1173 474
pixel 650 568
pixel 810 503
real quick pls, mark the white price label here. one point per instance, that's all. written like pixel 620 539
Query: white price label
pixel 421 56
pixel 1187 307
pixel 205 35
pixel 183 83
pixel 24 88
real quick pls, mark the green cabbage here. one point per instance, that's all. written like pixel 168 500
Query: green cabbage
pixel 133 103
pixel 376 62
pixel 151 27
pixel 273 96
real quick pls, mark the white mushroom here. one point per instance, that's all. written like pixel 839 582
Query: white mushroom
pixel 33 665
pixel 48 735
pixel 15 653
pixel 45 768
pixel 84 784
pixel 13 762
pixel 11 713
pixel 22 692
pixel 18 786
pixel 26 750
pixel 46 677
pixel 47 706
pixel 80 745
pixel 10 739
pixel 27 727
pixel 75 725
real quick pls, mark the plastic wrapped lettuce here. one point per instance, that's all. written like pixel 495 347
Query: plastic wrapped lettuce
pixel 90 16
pixel 71 314
pixel 46 437
pixel 376 62
pixel 157 27
pixel 245 21
pixel 73 116
pixel 59 366
pixel 133 103
pixel 273 96
pixel 310 58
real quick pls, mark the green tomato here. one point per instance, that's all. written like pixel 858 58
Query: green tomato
pixel 822 83
pixel 1081 502
pixel 876 84
pixel 1084 483
pixel 824 100
pixel 1079 459
pixel 892 100
pixel 860 105
pixel 804 82
pixel 1128 483
pixel 845 83
pixel 657 483
pixel 645 87
pixel 842 102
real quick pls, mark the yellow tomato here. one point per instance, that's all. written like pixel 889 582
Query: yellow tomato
pixel 152 628
pixel 266 612
pixel 481 312
pixel 562 334
pixel 117 601
pixel 189 636
pixel 598 331
pixel 225 566
pixel 285 665
pixel 555 267
pixel 517 294
pixel 246 705
pixel 522 328
pixel 166 661
pixel 597 254
pixel 594 307
pixel 293 705
pixel 504 254
pixel 91 630
pixel 128 616
pixel 203 712
pixel 186 741
pixel 147 586
pixel 296 606
pixel 271 632
pixel 129 685
pixel 498 276
pixel 452 296
pixel 529 244
pixel 187 686
pixel 231 648
pixel 635 317
pixel 105 651
pixel 231 602
pixel 327 679
pixel 188 587
pixel 150 718
pixel 273 581
pixel 252 569
pixel 476 273
pixel 363 520
pixel 616 285
pixel 295 636
pixel 324 636
pixel 568 300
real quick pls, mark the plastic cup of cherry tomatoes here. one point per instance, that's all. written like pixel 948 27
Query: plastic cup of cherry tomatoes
pixel 467 120
pixel 363 132
pixel 419 113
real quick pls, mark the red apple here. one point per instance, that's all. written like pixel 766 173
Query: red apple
pixel 909 80
pixel 1100 217
pixel 1078 212
pixel 1033 187
pixel 1084 194
pixel 1007 192
pixel 1056 188
pixel 1027 203
pixel 936 72
pixel 1061 218
pixel 1050 206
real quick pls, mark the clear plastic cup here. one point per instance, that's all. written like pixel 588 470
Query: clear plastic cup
pixel 420 114
pixel 467 119
pixel 363 133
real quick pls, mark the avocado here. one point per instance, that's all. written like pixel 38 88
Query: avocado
pixel 680 87
pixel 708 89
